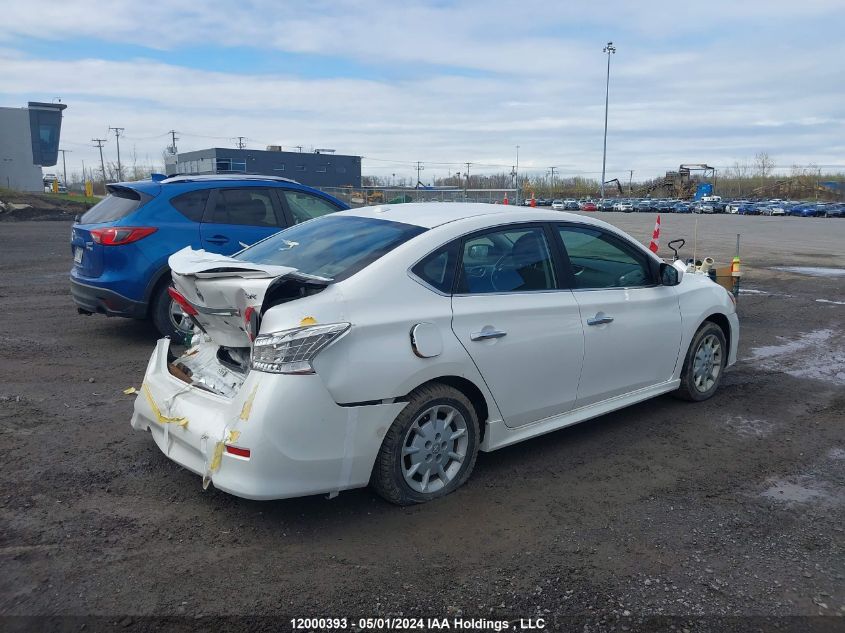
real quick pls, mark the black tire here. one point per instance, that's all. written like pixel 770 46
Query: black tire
pixel 160 314
pixel 387 478
pixel 688 389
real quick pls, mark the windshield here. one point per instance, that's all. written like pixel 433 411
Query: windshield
pixel 335 247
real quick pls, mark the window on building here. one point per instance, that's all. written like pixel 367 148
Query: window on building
pixel 321 169
pixel 300 168
pixel 279 168
pixel 228 165
pixel 341 170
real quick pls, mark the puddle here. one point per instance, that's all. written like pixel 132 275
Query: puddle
pixel 751 291
pixel 819 355
pixel 839 303
pixel 782 490
pixel 813 271
pixel 748 427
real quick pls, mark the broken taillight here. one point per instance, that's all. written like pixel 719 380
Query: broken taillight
pixel 187 308
pixel 120 235
pixel 237 450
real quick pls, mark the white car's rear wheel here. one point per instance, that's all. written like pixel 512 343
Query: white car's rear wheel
pixel 430 449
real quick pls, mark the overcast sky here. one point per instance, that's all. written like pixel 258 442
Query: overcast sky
pixel 441 81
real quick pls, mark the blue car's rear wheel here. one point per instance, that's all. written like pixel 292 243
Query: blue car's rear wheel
pixel 168 316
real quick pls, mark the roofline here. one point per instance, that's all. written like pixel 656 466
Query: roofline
pixel 174 178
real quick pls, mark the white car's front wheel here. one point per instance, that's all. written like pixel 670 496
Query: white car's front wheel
pixel 704 364
pixel 430 449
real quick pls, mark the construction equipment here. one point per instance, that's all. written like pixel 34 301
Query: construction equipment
pixel 682 184
pixel 618 184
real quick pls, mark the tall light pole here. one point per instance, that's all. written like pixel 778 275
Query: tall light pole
pixel 610 49
pixel 516 175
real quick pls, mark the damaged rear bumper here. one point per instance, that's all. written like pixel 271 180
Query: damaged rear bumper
pixel 301 442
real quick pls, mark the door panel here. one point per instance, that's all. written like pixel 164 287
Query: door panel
pixel 533 369
pixel 236 218
pixel 523 334
pixel 637 349
pixel 632 326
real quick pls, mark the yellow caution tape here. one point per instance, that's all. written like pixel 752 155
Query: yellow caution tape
pixel 162 419
pixel 130 390
pixel 217 457
pixel 247 408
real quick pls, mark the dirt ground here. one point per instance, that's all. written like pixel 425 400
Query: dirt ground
pixel 16 206
pixel 714 514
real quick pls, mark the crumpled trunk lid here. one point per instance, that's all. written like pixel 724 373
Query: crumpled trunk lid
pixel 222 290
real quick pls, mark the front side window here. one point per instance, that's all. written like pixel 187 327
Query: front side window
pixel 252 206
pixel 599 260
pixel 515 259
pixel 335 247
pixel 304 206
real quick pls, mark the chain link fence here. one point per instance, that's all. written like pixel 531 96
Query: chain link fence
pixel 399 195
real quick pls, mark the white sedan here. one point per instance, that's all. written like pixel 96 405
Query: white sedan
pixel 388 345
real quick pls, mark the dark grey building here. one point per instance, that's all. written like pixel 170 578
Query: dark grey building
pixel 29 140
pixel 316 169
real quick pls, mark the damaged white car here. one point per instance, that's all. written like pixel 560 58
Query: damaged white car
pixel 388 345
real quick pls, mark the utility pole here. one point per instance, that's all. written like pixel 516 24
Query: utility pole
pixel 241 142
pixel 516 175
pixel 64 165
pixel 552 172
pixel 299 147
pixel 117 131
pixel 99 145
pixel 173 144
pixel 419 169
pixel 630 182
pixel 466 187
pixel 610 50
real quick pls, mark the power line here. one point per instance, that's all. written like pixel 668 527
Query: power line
pixel 419 169
pixel 241 144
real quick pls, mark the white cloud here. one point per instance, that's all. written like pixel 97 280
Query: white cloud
pixel 451 81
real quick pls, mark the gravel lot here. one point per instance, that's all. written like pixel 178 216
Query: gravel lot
pixel 732 507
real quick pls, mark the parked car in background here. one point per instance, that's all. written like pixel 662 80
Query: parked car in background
pixel 834 211
pixel 606 204
pixel 571 205
pixel 557 205
pixel 643 206
pixel 423 334
pixel 121 245
pixel 682 207
pixel 589 205
pixel 624 206
pixel 805 210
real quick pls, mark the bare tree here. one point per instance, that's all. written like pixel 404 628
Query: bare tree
pixel 763 164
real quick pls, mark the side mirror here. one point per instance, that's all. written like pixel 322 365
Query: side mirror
pixel 669 275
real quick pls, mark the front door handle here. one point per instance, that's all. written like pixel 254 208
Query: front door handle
pixel 217 239
pixel 600 319
pixel 483 335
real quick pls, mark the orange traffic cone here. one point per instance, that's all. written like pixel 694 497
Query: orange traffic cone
pixel 533 200
pixel 505 201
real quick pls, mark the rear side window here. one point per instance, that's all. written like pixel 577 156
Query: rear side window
pixel 250 206
pixel 191 204
pixel 118 204
pixel 438 269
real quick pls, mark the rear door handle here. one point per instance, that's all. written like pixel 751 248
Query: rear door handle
pixel 600 319
pixel 483 335
pixel 217 239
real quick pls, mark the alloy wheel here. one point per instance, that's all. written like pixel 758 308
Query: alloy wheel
pixel 707 363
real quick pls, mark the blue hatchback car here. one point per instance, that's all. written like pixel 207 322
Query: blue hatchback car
pixel 121 245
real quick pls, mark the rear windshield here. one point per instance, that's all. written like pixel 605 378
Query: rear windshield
pixel 332 246
pixel 118 204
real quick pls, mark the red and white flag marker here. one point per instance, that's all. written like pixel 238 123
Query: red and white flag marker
pixel 655 237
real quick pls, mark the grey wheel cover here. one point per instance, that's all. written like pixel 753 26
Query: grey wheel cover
pixel 434 448
pixel 178 319
pixel 707 363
